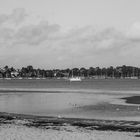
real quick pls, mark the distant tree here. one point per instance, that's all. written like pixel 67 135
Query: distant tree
pixel 91 71
pixel 30 68
pixel 98 71
pixel 104 72
pixel 83 72
pixel 75 72
pixel 6 68
pixel 29 71
pixel 110 71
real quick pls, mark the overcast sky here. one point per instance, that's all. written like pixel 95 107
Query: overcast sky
pixel 69 33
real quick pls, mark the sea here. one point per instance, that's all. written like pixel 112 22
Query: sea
pixel 90 98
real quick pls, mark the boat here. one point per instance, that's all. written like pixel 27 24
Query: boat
pixel 75 79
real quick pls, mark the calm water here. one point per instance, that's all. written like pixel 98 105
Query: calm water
pixel 86 99
pixel 105 84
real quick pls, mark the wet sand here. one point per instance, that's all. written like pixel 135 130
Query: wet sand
pixel 27 127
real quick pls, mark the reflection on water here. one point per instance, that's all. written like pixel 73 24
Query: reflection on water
pixel 41 103
pixel 50 103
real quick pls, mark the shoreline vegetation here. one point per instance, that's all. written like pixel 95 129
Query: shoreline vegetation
pixel 119 72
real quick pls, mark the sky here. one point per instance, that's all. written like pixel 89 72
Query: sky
pixel 69 33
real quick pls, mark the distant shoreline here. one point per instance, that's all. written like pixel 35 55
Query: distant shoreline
pixel 66 79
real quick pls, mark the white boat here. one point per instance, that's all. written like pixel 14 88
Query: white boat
pixel 75 79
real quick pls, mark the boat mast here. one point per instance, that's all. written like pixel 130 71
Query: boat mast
pixel 72 73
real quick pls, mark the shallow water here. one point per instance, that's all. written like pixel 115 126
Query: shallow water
pixel 86 99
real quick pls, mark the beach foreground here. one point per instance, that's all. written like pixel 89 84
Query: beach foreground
pixel 27 127
pixel 20 132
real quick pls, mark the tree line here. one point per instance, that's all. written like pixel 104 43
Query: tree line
pixel 92 72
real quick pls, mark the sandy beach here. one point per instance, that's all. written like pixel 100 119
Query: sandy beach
pixel 19 132
pixel 27 127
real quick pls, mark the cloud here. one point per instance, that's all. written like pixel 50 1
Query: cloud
pixel 36 34
pixel 16 17
pixel 91 41
pixel 27 34
pixel 100 47
pixel 134 31
pixel 43 43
